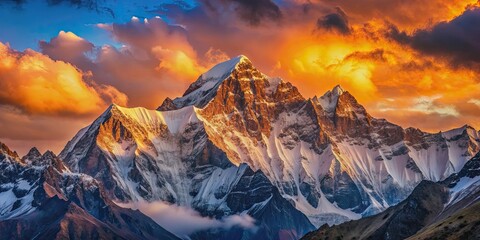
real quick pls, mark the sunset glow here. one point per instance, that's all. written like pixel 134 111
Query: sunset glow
pixel 412 62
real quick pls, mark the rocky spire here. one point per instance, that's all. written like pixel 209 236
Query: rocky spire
pixel 200 92
pixel 6 151
pixel 32 155
pixel 329 100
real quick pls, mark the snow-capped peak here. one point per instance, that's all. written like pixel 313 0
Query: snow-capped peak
pixel 223 69
pixel 338 90
pixel 33 153
pixel 329 100
pixel 200 92
pixel 49 154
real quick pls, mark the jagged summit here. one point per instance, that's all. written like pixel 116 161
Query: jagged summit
pixel 6 151
pixel 49 154
pixel 327 155
pixel 338 90
pixel 220 70
pixel 217 74
pixel 200 92
pixel 43 199
pixel 329 100
pixel 32 154
pixel 240 68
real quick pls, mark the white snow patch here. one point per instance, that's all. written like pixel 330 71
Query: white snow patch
pixel 222 69
pixel 330 99
pixel 7 201
pixel 23 184
pixel 463 188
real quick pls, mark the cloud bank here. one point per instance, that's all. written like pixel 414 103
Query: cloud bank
pixel 183 221
pixel 458 39
pixel 154 61
pixel 35 83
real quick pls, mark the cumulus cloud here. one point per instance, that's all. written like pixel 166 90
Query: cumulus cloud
pixel 337 21
pixel 183 221
pixel 458 39
pixel 36 84
pixel 68 47
pixel 474 101
pixel 155 59
pixel 427 105
pixel 252 12
pixel 144 34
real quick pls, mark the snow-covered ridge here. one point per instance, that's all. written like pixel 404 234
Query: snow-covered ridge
pixel 174 120
pixel 148 155
pixel 23 181
pixel 328 157
pixel 221 70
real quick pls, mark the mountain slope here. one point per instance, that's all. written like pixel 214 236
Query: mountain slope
pixel 41 198
pixel 147 155
pixel 444 210
pixel 326 156
pixel 463 224
pixel 398 222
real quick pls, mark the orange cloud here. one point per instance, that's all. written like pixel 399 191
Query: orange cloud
pixel 156 59
pixel 37 84
pixel 407 14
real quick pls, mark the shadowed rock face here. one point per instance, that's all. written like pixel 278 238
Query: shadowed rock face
pixel 180 165
pixel 463 224
pixel 398 222
pixel 470 170
pixel 43 199
pixel 326 146
pixel 240 142
pixel 443 210
pixel 326 155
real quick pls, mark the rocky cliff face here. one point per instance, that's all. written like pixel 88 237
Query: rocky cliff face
pixel 147 155
pixel 41 198
pixel 398 222
pixel 327 156
pixel 443 210
pixel 236 143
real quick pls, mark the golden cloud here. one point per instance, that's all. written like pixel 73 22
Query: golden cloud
pixel 37 84
pixel 156 60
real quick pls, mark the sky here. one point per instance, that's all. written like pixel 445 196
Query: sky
pixel 63 62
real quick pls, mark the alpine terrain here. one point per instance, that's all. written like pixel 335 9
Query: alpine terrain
pixel 251 154
pixel 443 210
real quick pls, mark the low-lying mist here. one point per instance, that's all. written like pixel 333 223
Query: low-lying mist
pixel 183 221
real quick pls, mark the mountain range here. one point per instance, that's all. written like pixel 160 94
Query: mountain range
pixel 243 156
